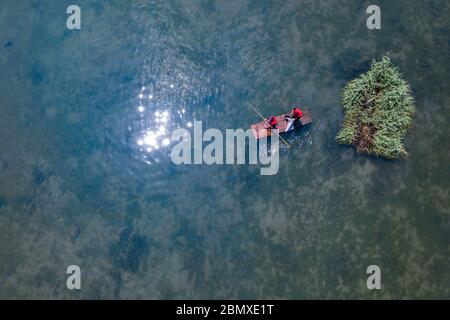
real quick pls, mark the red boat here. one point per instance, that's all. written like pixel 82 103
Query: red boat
pixel 285 124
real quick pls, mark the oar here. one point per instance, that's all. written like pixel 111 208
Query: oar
pixel 264 119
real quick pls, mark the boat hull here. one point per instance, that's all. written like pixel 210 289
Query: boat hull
pixel 260 130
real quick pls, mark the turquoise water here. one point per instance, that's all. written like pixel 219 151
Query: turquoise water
pixel 77 188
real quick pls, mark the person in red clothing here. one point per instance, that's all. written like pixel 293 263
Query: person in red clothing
pixel 294 118
pixel 272 122
pixel 296 113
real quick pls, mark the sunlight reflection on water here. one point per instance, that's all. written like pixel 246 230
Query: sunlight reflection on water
pixel 160 110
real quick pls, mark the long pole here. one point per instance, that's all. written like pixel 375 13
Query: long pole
pixel 264 119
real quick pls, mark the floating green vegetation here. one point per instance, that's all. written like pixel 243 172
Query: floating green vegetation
pixel 378 109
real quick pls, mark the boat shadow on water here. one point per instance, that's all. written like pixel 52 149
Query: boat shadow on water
pixel 296 138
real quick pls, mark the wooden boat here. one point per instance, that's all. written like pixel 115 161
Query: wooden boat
pixel 261 129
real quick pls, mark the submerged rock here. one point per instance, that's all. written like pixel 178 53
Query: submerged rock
pixel 378 109
pixel 38 176
pixel 74 232
pixel 37 74
pixel 130 251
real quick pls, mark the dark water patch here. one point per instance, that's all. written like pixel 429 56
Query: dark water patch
pixel 133 210
pixel 126 79
pixel 46 276
pixel 130 251
pixel 39 176
pixel 351 64
pixel 26 204
pixel 339 266
pixel 8 44
pixel 91 187
pixel 36 4
pixel 74 232
pixel 37 74
pixel 191 246
pixel 3 202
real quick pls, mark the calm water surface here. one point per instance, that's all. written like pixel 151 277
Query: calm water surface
pixel 86 178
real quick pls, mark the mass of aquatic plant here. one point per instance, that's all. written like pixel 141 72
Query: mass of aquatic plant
pixel 378 109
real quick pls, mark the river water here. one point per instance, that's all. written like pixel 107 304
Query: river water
pixel 79 187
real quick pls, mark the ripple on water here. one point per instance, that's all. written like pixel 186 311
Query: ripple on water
pixel 162 106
